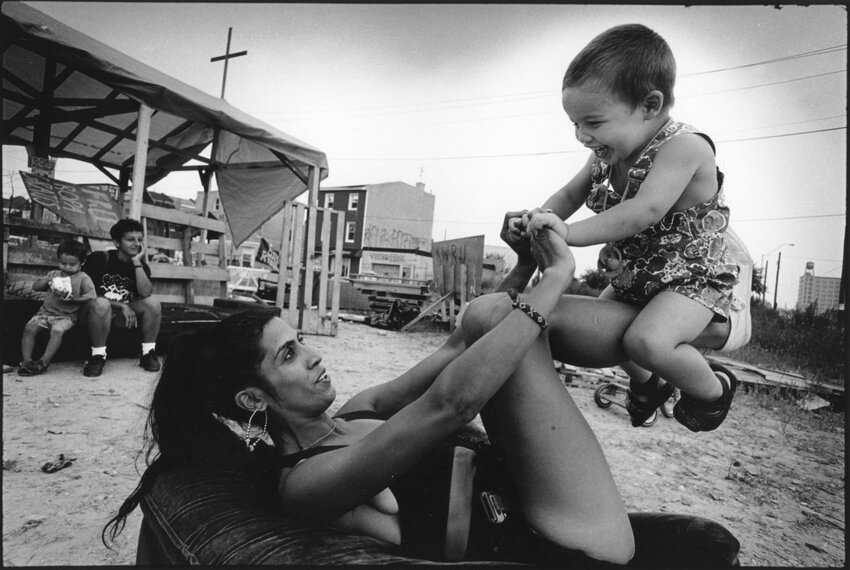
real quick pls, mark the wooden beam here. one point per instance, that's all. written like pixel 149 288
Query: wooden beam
pixel 426 310
pixel 171 271
pixel 285 232
pixel 182 218
pixel 140 161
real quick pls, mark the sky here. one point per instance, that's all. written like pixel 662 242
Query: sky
pixel 466 99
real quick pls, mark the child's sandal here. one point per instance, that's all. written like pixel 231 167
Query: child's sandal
pixel 32 368
pixel 27 368
pixel 643 399
pixel 697 415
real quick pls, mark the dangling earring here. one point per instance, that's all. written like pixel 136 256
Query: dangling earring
pixel 247 437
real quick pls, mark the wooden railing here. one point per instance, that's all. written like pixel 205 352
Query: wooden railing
pixel 200 278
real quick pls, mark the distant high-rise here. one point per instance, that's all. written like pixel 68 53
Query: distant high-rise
pixel 820 290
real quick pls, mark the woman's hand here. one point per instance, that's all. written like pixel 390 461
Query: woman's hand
pixel 553 254
pixel 513 233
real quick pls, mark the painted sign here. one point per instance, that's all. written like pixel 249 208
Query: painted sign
pixel 268 255
pixel 450 256
pixel 80 205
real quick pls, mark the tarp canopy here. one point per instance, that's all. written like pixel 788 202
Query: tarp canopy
pixel 68 95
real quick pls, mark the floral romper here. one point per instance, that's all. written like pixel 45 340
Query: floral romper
pixel 684 252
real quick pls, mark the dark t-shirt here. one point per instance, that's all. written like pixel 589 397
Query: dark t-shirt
pixel 113 278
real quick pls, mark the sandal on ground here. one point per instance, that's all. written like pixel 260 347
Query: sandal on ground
pixel 61 463
pixel 697 415
pixel 643 399
pixel 31 368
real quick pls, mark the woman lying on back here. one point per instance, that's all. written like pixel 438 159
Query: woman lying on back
pixel 360 473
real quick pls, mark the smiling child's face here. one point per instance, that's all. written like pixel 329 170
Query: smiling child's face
pixel 605 124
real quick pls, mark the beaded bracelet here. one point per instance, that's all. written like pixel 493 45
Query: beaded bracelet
pixel 527 309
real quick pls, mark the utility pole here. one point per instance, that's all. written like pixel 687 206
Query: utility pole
pixel 226 57
pixel 776 286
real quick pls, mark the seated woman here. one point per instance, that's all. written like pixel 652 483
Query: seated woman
pixel 369 468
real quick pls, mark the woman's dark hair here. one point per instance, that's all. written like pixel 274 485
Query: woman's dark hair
pixel 72 247
pixel 121 227
pixel 202 373
pixel 630 60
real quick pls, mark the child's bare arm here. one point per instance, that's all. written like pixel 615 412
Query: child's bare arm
pixel 569 198
pixel 673 171
pixel 564 202
pixel 41 284
pixel 547 219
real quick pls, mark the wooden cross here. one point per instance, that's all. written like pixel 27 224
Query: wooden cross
pixel 227 55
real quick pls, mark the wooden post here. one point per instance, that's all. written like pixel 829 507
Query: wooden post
pixel 284 264
pixel 188 285
pixel 140 161
pixel 295 306
pixel 311 240
pixel 463 286
pixel 323 276
pixel 338 261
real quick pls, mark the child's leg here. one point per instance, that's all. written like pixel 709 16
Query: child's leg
pixel 57 331
pixel 658 340
pixel 28 340
pixel 637 375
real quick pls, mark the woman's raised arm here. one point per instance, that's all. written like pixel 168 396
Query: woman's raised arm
pixel 328 485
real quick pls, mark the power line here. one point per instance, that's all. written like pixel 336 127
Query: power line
pixel 765 84
pixel 821 51
pixel 790 218
pixel 540 94
pixel 554 152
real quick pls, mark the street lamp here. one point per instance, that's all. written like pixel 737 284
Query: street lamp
pixel 778 261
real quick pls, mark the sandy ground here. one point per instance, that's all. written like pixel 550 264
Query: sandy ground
pixel 773 474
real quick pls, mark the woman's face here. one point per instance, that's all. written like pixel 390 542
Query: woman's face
pixel 294 371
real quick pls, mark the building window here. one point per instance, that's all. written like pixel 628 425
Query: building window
pixel 248 258
pixel 353 200
pixel 349 231
pixel 329 200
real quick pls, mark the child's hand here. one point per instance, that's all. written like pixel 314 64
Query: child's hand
pixel 543 219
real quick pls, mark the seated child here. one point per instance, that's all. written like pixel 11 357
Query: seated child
pixel 657 193
pixel 67 289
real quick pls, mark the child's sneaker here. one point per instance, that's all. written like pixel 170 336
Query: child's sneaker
pixel 94 367
pixel 643 399
pixel 697 415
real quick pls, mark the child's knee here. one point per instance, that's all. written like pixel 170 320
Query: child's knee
pixel 642 347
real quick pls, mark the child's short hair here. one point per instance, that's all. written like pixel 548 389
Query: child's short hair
pixel 121 227
pixel 631 60
pixel 72 247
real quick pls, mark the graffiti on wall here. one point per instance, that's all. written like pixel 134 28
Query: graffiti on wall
pixel 375 236
pixel 450 256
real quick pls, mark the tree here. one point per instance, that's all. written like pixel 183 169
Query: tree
pixel 595 279
pixel 758 287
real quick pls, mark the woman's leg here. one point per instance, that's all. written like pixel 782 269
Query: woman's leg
pixel 564 483
pixel 588 331
pixel 659 337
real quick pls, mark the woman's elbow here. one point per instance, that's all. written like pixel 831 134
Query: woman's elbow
pixel 454 409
